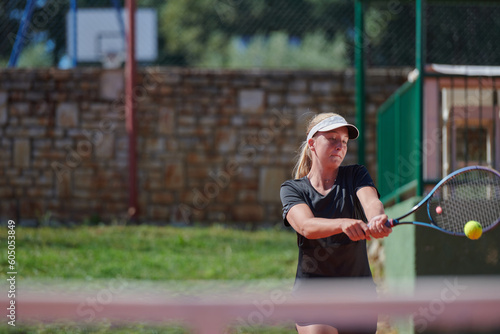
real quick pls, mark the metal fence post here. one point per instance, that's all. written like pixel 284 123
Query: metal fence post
pixel 420 64
pixel 360 77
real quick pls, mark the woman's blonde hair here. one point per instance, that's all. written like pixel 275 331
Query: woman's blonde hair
pixel 304 160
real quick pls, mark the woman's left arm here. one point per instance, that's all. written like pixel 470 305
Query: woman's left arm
pixel 374 212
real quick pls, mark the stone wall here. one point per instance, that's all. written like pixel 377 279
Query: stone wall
pixel 213 145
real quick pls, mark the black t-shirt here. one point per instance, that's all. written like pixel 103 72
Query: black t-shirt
pixel 337 255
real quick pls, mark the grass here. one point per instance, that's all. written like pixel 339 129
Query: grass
pixel 149 253
pixel 153 253
pixel 103 328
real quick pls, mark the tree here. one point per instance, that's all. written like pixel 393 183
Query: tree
pixel 47 25
pixel 9 23
pixel 35 56
pixel 276 51
pixel 206 31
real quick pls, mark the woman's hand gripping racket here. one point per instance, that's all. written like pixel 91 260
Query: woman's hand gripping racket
pixel 469 194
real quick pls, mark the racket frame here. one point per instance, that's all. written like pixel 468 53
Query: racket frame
pixel 396 222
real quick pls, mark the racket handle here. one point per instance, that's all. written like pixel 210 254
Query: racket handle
pixel 390 223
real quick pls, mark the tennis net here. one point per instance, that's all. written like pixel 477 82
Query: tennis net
pixel 442 304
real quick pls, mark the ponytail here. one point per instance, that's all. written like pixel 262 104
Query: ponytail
pixel 304 162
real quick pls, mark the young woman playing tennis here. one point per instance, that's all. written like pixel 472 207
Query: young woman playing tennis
pixel 329 206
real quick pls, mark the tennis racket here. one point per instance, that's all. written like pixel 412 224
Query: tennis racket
pixel 470 193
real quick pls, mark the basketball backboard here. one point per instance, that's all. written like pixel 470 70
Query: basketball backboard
pixel 99 36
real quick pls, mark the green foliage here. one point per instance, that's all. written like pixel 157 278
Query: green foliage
pixel 314 52
pixel 185 24
pixel 8 27
pixel 202 32
pixel 35 56
pixel 207 33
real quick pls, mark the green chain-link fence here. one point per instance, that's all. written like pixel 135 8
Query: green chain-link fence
pixel 265 33
pixel 456 32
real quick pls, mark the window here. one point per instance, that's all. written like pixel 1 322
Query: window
pixel 472 146
pixel 470 125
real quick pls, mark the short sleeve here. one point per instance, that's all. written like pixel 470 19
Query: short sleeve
pixel 290 196
pixel 362 179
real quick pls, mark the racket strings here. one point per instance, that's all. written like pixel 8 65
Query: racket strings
pixel 472 195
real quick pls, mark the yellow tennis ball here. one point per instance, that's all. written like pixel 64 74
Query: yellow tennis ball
pixel 473 230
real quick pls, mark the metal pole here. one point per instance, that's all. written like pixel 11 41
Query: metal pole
pixel 22 37
pixel 119 16
pixel 130 76
pixel 420 64
pixel 359 63
pixel 75 33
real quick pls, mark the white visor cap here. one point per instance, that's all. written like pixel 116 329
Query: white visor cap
pixel 332 123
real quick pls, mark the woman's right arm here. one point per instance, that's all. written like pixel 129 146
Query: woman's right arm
pixel 303 221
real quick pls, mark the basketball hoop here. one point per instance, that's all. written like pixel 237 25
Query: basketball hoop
pixel 111 60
